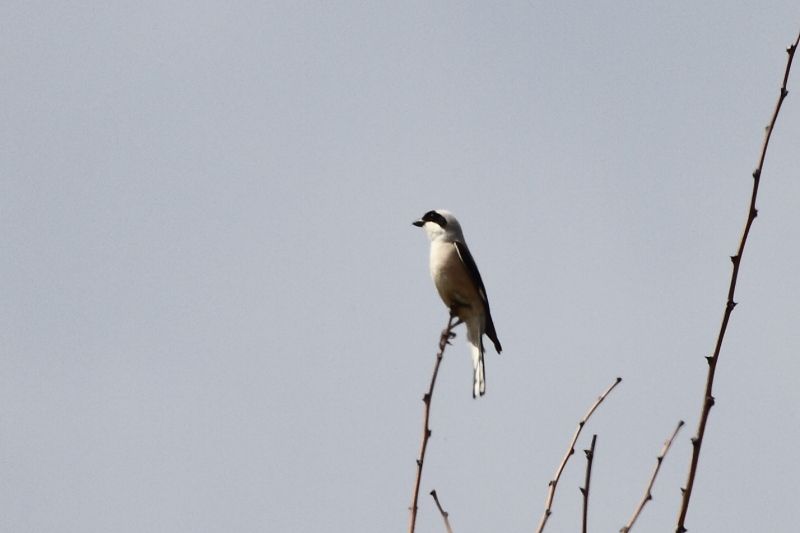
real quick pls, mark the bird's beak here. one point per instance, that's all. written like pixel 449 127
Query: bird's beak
pixel 418 223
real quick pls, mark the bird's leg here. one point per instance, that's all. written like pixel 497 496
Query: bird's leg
pixel 447 333
pixel 454 316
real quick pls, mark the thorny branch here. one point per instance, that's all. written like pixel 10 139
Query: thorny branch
pixel 708 398
pixel 551 492
pixel 585 489
pixel 648 495
pixel 444 340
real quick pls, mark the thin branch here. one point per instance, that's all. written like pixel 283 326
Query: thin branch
pixel 444 340
pixel 585 489
pixel 708 398
pixel 551 492
pixel 445 514
pixel 648 495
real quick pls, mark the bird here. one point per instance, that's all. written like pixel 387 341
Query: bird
pixel 460 287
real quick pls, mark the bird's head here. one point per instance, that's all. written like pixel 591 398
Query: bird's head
pixel 440 224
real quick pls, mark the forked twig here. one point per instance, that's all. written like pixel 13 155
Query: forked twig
pixel 708 398
pixel 551 492
pixel 648 495
pixel 444 340
pixel 585 489
pixel 445 514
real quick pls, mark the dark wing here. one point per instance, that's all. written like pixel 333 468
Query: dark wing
pixel 472 268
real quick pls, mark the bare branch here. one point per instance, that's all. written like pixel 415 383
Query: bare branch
pixel 648 495
pixel 554 482
pixel 708 398
pixel 444 340
pixel 585 489
pixel 445 514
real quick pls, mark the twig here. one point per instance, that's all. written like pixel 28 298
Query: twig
pixel 585 489
pixel 708 398
pixel 445 514
pixel 444 340
pixel 648 495
pixel 551 492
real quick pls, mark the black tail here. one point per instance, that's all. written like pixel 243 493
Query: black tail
pixel 491 333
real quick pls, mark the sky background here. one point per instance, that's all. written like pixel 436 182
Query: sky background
pixel 216 315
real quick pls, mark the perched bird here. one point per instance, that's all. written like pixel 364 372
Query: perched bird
pixel 460 286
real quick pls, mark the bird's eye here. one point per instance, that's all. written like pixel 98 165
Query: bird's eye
pixel 437 218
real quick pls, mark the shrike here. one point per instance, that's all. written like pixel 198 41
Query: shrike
pixel 460 286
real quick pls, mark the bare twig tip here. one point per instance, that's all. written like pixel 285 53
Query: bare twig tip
pixel 648 494
pixel 570 451
pixel 445 514
pixel 587 483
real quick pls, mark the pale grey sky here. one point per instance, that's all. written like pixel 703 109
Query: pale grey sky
pixel 217 317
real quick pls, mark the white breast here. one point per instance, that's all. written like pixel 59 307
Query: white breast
pixel 452 279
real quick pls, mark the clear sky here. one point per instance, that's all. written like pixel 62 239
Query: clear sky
pixel 216 315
